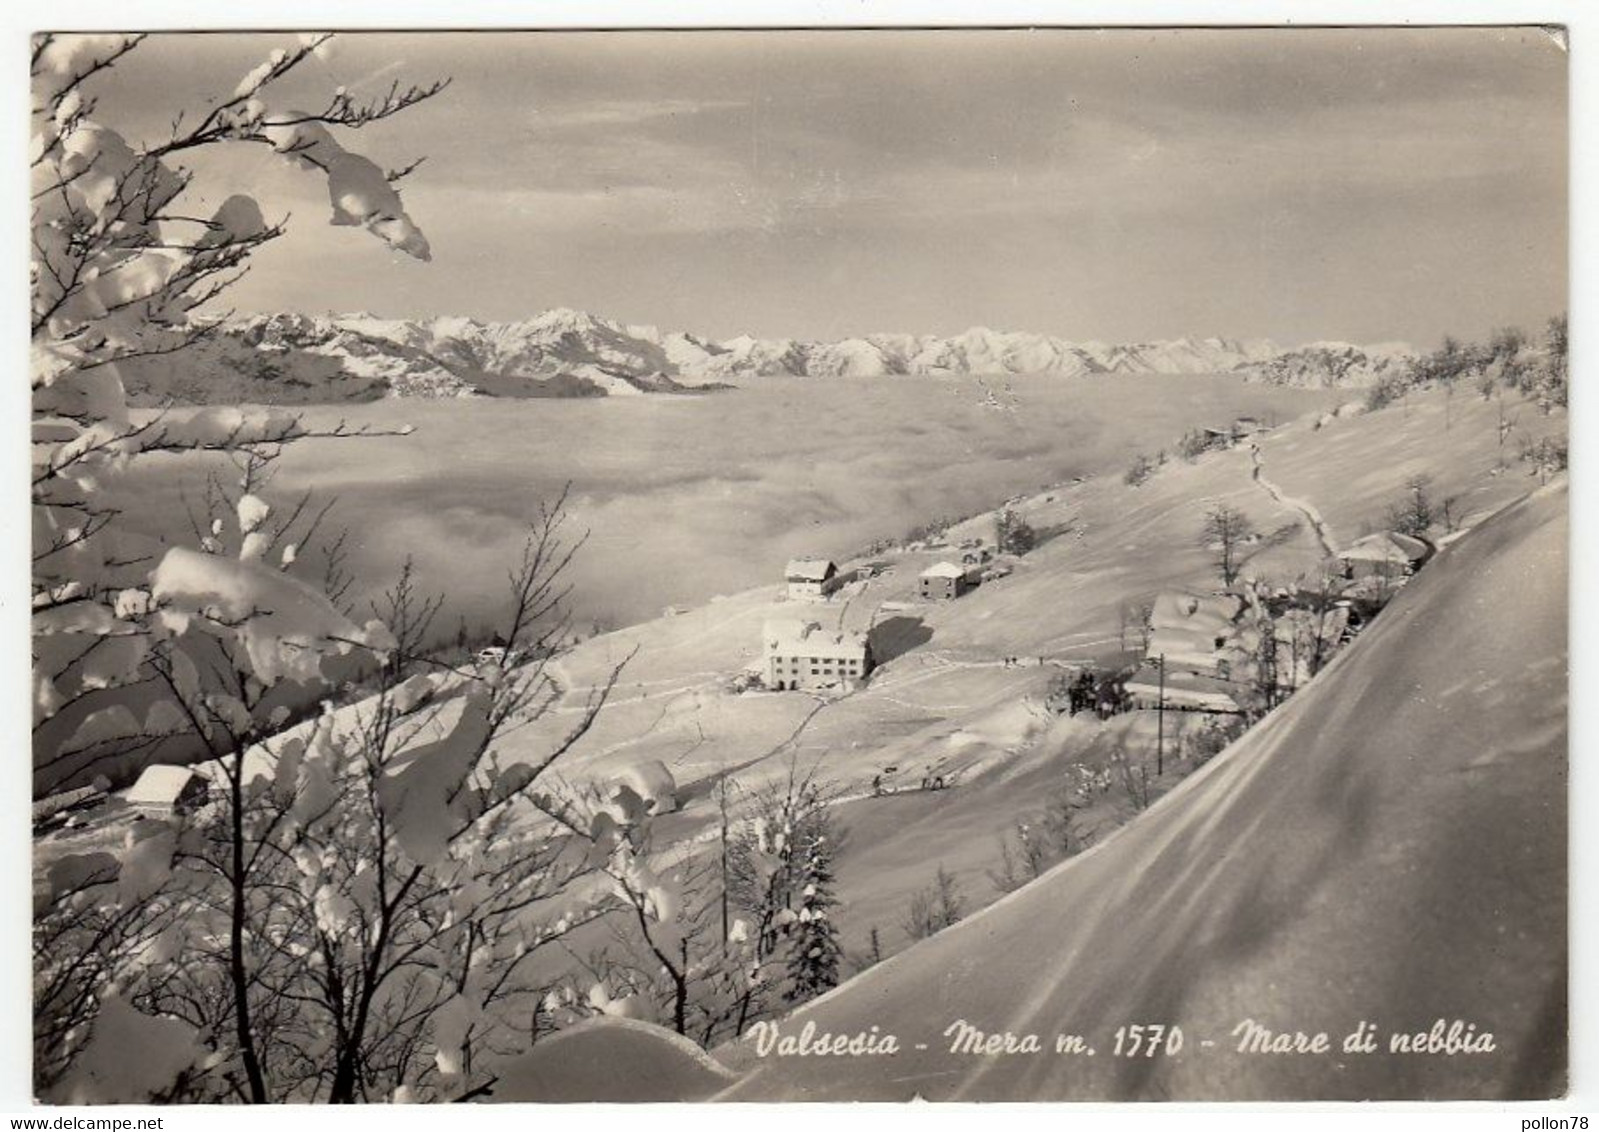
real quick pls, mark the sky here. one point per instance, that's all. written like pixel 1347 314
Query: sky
pixel 1365 185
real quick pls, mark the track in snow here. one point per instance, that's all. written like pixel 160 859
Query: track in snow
pixel 1308 510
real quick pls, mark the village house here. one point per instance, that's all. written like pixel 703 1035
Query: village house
pixel 1198 655
pixel 812 577
pixel 802 656
pixel 167 791
pixel 1236 433
pixel 944 582
pixel 1386 556
pixel 1211 647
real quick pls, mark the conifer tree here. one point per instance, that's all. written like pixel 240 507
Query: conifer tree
pixel 814 952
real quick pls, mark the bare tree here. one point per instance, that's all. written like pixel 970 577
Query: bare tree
pixel 1449 513
pixel 1224 533
pixel 1031 848
pixel 874 951
pixel 359 910
pixel 935 907
pixel 329 933
pixel 666 934
pixel 1133 778
pixel 1504 427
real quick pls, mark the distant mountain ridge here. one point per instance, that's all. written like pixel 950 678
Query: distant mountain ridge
pixel 567 353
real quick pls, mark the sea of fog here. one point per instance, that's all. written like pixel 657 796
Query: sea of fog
pixel 686 497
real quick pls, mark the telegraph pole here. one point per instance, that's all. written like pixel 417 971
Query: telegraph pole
pixel 1160 718
pixel 722 802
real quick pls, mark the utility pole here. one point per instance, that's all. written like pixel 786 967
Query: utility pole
pixel 722 803
pixel 1160 718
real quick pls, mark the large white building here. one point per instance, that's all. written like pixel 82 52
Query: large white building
pixel 802 655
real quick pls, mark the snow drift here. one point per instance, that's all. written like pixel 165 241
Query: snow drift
pixel 611 1059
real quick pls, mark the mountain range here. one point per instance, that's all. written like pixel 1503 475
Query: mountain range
pixel 290 357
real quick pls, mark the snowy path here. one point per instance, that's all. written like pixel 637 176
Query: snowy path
pixel 1308 510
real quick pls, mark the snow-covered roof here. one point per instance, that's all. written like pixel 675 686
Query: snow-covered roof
pixel 55 803
pixel 943 570
pixel 1183 689
pixel 786 629
pixel 808 639
pixel 161 785
pixel 810 570
pixel 1185 627
pixel 1385 546
pixel 1196 612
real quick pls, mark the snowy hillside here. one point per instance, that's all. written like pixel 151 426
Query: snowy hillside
pixel 296 358
pixel 1390 835
pixel 1372 852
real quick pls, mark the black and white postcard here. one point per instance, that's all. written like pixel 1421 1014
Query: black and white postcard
pixel 832 564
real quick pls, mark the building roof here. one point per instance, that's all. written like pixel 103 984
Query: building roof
pixel 55 803
pixel 1184 689
pixel 161 785
pixel 1385 546
pixel 944 570
pixel 1185 628
pixel 1195 612
pixel 810 570
pixel 808 639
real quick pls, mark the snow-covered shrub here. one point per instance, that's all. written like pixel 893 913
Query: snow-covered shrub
pixel 136 644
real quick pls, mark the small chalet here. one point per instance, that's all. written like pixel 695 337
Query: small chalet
pixel 1387 555
pixel 811 577
pixel 944 582
pixel 801 655
pixel 166 791
pixel 1236 433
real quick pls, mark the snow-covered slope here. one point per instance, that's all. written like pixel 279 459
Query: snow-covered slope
pixel 567 353
pixel 1389 847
